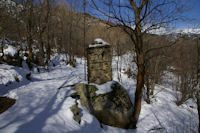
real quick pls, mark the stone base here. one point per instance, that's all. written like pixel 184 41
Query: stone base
pixel 113 108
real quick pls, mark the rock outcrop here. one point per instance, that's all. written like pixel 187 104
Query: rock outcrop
pixel 112 108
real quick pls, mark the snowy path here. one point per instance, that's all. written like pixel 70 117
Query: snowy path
pixel 43 108
pixel 38 101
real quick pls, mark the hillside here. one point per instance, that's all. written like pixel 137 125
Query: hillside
pixel 42 107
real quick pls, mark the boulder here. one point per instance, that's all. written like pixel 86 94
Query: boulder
pixel 12 60
pixel 113 108
pixel 76 111
pixel 11 56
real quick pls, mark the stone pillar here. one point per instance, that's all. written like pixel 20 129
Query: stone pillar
pixel 99 61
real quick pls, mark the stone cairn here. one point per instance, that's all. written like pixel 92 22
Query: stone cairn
pixel 99 62
pixel 112 108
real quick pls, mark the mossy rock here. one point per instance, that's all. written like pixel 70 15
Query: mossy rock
pixel 113 108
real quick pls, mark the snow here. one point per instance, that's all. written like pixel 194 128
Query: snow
pixel 165 31
pixel 159 30
pixel 12 94
pixel 166 115
pixel 10 50
pixel 43 108
pixel 104 88
pixel 98 42
pixel 8 74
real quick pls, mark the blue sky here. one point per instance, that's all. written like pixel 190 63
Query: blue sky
pixel 192 16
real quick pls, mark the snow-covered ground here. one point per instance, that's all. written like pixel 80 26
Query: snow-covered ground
pixel 43 108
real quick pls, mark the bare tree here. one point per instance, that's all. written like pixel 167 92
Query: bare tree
pixel 48 39
pixel 41 27
pixel 30 28
pixel 136 18
pixel 9 13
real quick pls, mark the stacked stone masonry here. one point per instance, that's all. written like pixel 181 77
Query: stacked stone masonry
pixel 99 64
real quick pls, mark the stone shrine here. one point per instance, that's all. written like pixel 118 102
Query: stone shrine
pixel 99 62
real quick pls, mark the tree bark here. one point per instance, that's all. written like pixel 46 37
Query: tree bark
pixel 30 49
pixel 29 33
pixel 147 82
pixel 48 50
pixel 139 89
pixel 152 87
pixel 41 48
pixel 3 43
pixel 48 47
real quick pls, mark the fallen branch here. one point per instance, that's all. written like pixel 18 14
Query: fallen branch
pixel 66 86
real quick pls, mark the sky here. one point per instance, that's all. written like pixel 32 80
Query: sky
pixel 192 16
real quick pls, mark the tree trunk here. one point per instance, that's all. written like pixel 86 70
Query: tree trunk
pixel 30 54
pixel 148 88
pixel 139 89
pixel 147 82
pixel 152 86
pixel 29 34
pixel 30 50
pixel 41 53
pixel 48 50
pixel 48 47
pixel 2 47
pixel 3 43
pixel 57 46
